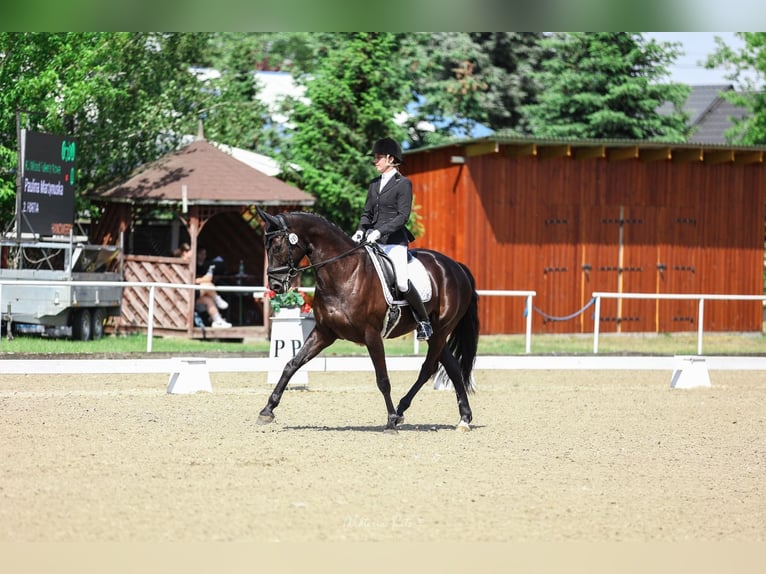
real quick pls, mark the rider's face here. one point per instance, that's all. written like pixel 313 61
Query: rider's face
pixel 381 163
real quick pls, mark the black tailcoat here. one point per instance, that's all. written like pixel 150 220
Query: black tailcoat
pixel 388 209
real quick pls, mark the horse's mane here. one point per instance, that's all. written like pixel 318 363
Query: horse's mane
pixel 321 218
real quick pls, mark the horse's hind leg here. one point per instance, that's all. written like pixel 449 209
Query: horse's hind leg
pixel 452 367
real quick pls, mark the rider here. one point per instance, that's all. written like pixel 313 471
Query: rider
pixel 384 219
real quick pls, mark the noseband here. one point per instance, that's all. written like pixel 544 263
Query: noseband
pixel 285 272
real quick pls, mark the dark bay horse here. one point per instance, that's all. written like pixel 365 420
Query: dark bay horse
pixel 349 304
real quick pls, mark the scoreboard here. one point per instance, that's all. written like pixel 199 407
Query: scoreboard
pixel 46 202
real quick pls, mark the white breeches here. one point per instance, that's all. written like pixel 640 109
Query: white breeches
pixel 398 255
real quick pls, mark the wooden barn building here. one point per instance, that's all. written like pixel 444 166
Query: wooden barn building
pixel 201 195
pixel 570 218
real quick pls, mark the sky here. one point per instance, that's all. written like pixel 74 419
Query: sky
pixel 697 47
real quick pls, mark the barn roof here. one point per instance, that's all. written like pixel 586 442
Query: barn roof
pixel 208 175
pixel 701 98
pixel 512 138
pixel 710 114
pixel 717 119
pixel 510 143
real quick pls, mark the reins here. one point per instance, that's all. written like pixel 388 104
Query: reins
pixel 331 259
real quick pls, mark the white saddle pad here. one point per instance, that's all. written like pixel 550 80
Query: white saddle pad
pixel 417 274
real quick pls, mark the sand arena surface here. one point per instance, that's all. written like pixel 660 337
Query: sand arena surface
pixel 554 455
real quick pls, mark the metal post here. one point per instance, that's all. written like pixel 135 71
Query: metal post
pixel 21 144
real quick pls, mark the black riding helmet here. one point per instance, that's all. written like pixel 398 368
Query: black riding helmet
pixel 387 146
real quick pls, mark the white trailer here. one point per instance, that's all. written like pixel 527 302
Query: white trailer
pixel 70 299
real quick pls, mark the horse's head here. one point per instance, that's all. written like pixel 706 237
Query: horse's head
pixel 284 250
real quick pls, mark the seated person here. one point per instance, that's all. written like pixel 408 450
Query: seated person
pixel 206 304
pixel 204 276
pixel 207 299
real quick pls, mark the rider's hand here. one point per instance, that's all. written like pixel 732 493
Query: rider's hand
pixel 373 236
pixel 357 237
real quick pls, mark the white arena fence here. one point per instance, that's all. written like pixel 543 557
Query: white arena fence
pixel 527 295
pixel 700 297
pixel 255 291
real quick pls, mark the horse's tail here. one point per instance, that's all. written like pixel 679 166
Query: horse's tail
pixel 464 340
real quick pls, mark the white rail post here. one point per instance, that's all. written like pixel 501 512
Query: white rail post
pixel 529 325
pixel 150 326
pixel 596 321
pixel 700 320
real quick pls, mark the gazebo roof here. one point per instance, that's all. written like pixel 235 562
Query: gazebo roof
pixel 205 175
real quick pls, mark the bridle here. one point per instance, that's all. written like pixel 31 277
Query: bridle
pixel 286 272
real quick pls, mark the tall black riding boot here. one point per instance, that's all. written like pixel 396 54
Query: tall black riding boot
pixel 419 312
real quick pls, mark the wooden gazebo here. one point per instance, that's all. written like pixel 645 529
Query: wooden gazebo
pixel 205 196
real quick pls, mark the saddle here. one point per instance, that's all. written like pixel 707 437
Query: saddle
pixel 394 298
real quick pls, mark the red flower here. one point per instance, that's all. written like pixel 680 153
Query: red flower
pixel 290 299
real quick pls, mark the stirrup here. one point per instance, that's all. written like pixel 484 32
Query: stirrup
pixel 424 330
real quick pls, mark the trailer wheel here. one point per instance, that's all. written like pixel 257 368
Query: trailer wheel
pixel 97 323
pixel 81 325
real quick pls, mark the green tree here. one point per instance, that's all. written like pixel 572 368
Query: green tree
pixel 449 75
pixel 462 79
pixel 748 70
pixel 514 57
pixel 233 114
pixel 126 98
pixel 606 85
pixel 353 96
pixel 296 52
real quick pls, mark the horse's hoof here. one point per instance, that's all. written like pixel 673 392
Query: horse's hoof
pixel 390 431
pixel 399 420
pixel 265 419
pixel 463 427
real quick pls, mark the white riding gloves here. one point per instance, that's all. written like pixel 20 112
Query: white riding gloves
pixel 373 236
pixel 357 237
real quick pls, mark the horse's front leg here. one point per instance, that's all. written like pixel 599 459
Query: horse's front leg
pixel 378 355
pixel 314 344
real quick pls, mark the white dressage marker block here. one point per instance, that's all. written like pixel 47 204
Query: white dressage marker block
pixel 190 376
pixel 690 372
